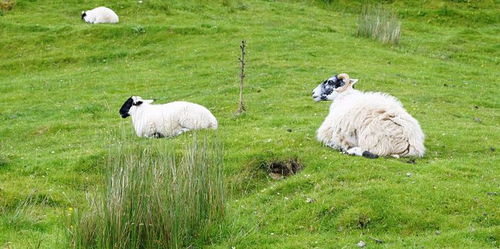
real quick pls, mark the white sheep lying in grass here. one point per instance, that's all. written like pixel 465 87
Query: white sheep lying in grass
pixel 367 124
pixel 100 15
pixel 166 120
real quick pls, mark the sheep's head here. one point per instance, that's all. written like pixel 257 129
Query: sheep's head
pixel 330 88
pixel 84 14
pixel 131 104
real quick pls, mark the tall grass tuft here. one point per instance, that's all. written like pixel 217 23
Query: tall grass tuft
pixel 154 199
pixel 379 23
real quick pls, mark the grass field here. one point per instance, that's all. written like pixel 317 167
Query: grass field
pixel 62 82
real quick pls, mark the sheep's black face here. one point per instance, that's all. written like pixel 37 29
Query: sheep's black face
pixel 126 107
pixel 84 15
pixel 132 101
pixel 324 90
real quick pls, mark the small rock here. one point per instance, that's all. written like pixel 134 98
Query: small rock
pixel 438 232
pixel 478 120
pixel 476 107
pixel 361 243
pixel 492 149
pixel 409 174
pixel 289 130
pixel 309 200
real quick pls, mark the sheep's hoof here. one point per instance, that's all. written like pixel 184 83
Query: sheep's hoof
pixel 157 135
pixel 368 154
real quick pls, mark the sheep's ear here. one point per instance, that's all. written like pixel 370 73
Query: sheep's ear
pixel 353 81
pixel 138 103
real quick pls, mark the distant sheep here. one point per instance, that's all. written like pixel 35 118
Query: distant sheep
pixel 166 120
pixel 100 15
pixel 367 124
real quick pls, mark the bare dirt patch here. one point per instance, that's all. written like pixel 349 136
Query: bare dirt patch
pixel 279 169
pixel 6 5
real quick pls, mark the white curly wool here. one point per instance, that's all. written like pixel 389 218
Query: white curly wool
pixel 166 120
pixel 100 15
pixel 369 124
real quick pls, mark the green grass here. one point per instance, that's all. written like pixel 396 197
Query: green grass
pixel 153 198
pixel 62 82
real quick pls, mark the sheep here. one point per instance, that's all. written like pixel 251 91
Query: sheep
pixel 368 124
pixel 166 120
pixel 100 15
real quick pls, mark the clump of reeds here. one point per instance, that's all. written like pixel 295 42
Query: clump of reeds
pixel 153 199
pixel 379 23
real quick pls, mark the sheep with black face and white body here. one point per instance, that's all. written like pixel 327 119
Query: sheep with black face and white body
pixel 369 124
pixel 100 15
pixel 166 120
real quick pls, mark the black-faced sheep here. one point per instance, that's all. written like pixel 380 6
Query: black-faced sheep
pixel 166 120
pixel 369 124
pixel 100 15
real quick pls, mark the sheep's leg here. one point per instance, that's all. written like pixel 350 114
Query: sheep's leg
pixel 333 144
pixel 154 135
pixel 182 130
pixel 357 151
pixel 157 135
pixel 354 151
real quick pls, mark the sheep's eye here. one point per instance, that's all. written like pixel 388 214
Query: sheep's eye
pixel 330 82
pixel 138 103
pixel 340 83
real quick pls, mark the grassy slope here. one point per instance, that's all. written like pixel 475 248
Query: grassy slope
pixel 62 82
